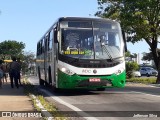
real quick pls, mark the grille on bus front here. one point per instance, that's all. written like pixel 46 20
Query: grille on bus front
pixel 91 65
pixel 82 63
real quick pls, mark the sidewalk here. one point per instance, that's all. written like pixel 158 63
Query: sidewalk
pixel 13 99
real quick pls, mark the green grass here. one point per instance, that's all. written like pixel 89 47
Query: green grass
pixel 142 80
pixel 29 89
pixel 51 108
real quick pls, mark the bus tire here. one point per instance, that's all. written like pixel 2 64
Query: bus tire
pixel 46 84
pixel 41 82
pixel 55 89
pixel 101 89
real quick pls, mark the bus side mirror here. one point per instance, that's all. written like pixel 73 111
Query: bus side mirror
pixel 124 39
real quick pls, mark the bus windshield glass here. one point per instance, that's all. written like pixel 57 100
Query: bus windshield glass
pixel 91 39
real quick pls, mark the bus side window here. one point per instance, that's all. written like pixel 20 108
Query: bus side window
pixel 50 40
pixel 55 35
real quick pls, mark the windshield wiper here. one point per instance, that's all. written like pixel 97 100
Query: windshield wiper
pixel 106 50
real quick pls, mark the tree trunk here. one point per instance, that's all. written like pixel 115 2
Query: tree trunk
pixel 158 68
pixel 156 58
pixel 158 77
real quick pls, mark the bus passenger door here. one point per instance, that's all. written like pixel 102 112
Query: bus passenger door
pixel 55 59
pixel 55 65
pixel 46 58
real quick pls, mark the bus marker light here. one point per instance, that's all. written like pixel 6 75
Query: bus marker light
pixel 63 69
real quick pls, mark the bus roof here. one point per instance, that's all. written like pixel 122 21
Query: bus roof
pixel 84 18
pixel 76 19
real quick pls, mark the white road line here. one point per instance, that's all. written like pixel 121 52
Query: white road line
pixel 154 86
pixel 69 105
pixel 146 94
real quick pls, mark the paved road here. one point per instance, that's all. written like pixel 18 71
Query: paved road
pixel 134 98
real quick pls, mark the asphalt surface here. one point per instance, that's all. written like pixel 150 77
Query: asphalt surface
pixel 135 101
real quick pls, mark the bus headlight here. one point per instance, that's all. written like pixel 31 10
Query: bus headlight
pixel 67 71
pixel 119 71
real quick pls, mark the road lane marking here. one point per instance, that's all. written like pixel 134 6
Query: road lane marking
pixel 155 86
pixel 69 105
pixel 146 94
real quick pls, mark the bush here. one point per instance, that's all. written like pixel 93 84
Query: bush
pixel 129 74
pixel 130 67
pixel 143 80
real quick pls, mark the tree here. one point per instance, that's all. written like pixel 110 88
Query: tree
pixel 140 19
pixel 147 56
pixel 11 47
pixel 130 67
pixel 128 54
pixel 27 58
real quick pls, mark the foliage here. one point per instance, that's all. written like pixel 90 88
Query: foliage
pixel 11 47
pixel 147 56
pixel 129 74
pixel 142 80
pixel 130 67
pixel 140 19
pixel 128 54
pixel 30 89
pixel 131 56
pixel 27 58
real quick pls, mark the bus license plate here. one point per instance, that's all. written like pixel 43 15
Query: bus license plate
pixel 94 79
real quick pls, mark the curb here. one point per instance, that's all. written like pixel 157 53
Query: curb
pixel 44 112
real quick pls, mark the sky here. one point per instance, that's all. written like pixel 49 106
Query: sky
pixel 28 20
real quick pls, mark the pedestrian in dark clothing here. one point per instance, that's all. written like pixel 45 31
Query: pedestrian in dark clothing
pixel 13 72
pixel 19 72
pixel 1 73
pixel 4 68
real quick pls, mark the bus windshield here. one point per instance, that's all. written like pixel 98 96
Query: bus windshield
pixel 91 39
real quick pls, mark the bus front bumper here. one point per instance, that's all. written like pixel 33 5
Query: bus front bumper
pixel 77 81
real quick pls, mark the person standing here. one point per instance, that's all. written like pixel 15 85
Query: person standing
pixel 1 73
pixel 4 68
pixel 19 71
pixel 1 77
pixel 13 72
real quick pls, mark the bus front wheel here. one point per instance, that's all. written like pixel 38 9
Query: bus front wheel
pixel 41 82
pixel 55 89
